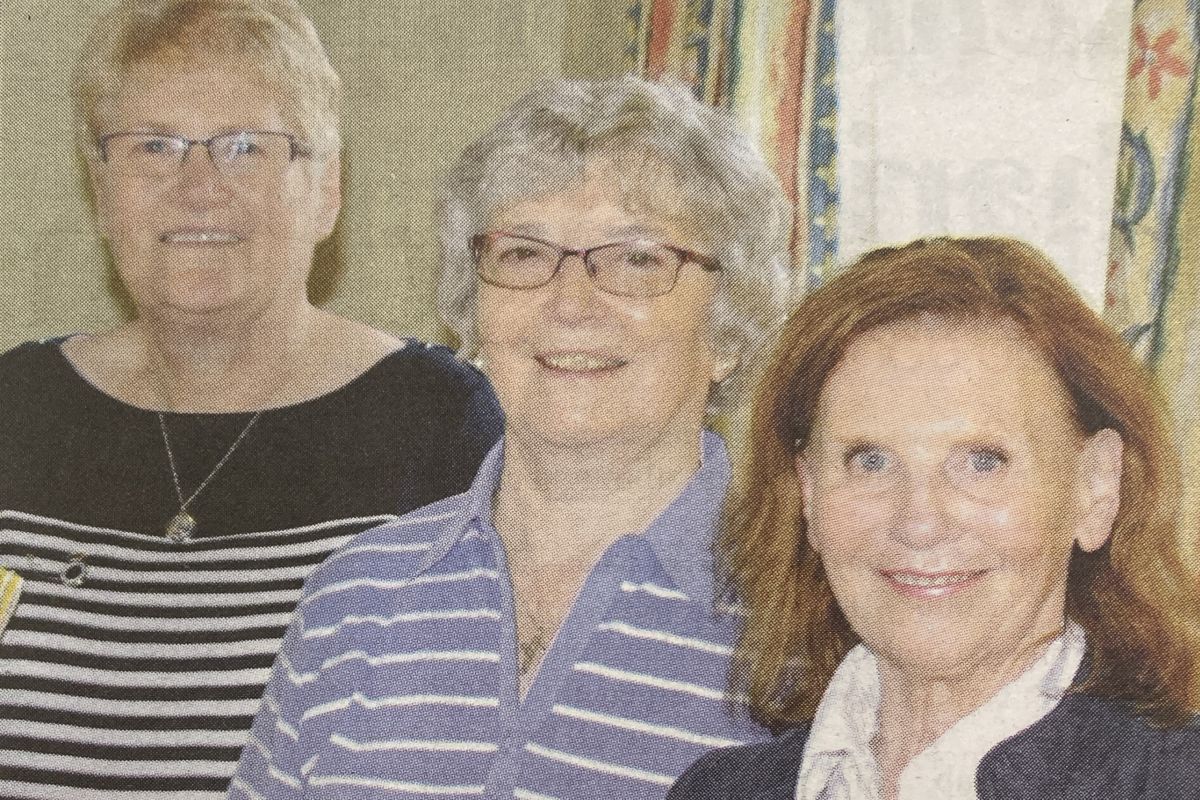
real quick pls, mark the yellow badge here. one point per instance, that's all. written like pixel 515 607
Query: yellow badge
pixel 10 592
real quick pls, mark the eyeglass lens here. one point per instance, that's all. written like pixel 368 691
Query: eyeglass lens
pixel 240 155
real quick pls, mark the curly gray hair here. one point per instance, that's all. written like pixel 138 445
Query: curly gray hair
pixel 717 183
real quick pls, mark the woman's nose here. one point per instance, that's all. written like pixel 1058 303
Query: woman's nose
pixel 573 292
pixel 922 521
pixel 199 182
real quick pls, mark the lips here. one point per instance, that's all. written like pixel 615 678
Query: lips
pixel 932 584
pixel 200 237
pixel 580 362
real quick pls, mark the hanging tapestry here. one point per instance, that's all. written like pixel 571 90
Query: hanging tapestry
pixel 1153 288
pixel 772 64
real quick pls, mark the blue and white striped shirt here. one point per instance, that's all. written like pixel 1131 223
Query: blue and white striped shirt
pixel 398 677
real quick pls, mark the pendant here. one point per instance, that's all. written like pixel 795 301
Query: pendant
pixel 181 527
pixel 531 650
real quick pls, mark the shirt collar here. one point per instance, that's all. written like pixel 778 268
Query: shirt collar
pixel 839 744
pixel 475 511
pixel 680 537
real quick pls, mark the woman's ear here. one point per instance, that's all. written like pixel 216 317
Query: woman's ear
pixel 101 202
pixel 804 479
pixel 331 194
pixel 1099 488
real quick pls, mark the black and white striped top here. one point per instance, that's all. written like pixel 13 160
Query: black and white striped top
pixel 133 666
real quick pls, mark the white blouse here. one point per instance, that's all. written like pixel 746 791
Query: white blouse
pixel 839 763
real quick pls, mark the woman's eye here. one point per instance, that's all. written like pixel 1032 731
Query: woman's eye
pixel 642 259
pixel 242 147
pixel 868 460
pixel 517 254
pixel 154 146
pixel 986 460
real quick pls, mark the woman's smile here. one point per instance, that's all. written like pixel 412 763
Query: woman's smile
pixel 201 237
pixel 580 362
pixel 931 585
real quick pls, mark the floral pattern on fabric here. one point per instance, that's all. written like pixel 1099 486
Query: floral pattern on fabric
pixel 1153 291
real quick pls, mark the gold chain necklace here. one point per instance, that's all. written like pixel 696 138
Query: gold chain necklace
pixel 183 524
pixel 533 640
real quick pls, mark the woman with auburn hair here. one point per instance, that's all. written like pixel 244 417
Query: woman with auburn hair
pixel 956 542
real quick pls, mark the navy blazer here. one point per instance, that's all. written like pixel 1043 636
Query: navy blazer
pixel 1086 748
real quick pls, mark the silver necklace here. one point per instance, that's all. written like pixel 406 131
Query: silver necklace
pixel 183 525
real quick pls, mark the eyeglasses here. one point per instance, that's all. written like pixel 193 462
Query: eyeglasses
pixel 637 268
pixel 241 155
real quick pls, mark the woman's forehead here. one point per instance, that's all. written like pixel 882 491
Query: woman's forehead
pixel 935 377
pixel 186 80
pixel 648 194
pixel 576 214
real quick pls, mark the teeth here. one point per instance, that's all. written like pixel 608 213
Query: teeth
pixel 201 237
pixel 579 362
pixel 932 581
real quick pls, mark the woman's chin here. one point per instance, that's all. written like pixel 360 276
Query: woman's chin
pixel 930 652
pixel 196 304
pixel 200 292
pixel 574 430
pixel 204 301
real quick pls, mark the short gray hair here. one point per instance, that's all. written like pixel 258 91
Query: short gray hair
pixel 643 129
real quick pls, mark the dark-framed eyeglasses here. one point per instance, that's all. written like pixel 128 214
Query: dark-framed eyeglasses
pixel 239 155
pixel 633 268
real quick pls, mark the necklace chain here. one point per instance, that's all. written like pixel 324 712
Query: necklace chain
pixel 183 504
pixel 531 644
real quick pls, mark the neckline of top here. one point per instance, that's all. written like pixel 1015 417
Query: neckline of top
pixel 72 372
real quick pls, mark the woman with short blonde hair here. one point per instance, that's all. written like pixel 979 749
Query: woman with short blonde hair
pixel 166 486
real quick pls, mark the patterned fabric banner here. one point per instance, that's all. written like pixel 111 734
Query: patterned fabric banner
pixel 772 63
pixel 1153 290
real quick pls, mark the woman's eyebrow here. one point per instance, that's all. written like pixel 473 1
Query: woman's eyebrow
pixel 637 229
pixel 524 229
pixel 839 445
pixel 156 128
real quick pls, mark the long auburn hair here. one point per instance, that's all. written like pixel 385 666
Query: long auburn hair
pixel 1136 597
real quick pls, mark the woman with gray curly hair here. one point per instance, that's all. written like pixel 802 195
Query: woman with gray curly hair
pixel 613 253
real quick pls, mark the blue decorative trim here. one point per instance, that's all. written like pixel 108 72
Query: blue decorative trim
pixel 733 60
pixel 1136 183
pixel 635 45
pixel 700 14
pixel 1174 186
pixel 823 194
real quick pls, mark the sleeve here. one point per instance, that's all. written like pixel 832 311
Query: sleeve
pixel 483 423
pixel 764 771
pixel 1174 769
pixel 283 747
pixel 707 779
pixel 459 423
pixel 35 411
